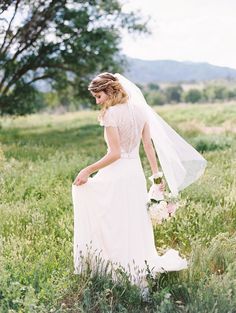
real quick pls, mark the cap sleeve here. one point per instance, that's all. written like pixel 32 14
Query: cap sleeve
pixel 108 119
pixel 144 114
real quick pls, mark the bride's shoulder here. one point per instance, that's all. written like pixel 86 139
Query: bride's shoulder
pixel 116 110
pixel 118 106
pixel 108 118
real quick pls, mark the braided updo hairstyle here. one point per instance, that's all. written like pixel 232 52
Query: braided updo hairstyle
pixel 110 84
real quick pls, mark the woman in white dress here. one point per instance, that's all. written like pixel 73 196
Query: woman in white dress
pixel 110 211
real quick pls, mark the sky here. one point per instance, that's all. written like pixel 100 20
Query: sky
pixel 185 30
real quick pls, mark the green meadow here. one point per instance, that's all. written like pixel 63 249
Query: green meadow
pixel 40 156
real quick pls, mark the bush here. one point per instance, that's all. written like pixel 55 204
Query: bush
pixel 212 143
pixel 193 96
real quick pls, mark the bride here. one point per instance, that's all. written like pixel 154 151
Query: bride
pixel 110 208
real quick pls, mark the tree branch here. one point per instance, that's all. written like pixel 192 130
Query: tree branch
pixel 6 5
pixel 39 78
pixel 27 67
pixel 9 26
pixel 47 13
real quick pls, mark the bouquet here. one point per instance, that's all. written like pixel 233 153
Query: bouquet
pixel 161 205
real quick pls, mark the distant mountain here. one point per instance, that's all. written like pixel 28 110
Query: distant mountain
pixel 167 71
pixel 146 71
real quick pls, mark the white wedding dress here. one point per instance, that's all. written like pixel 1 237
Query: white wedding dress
pixel 110 213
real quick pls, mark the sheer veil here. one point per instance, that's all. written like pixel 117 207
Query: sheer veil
pixel 180 162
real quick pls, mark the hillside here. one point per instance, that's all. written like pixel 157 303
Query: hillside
pixel 145 71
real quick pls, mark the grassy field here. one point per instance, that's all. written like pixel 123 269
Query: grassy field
pixel 39 158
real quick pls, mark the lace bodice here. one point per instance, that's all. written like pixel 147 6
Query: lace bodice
pixel 130 121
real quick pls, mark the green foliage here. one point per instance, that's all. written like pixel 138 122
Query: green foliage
pixel 212 143
pixel 62 43
pixel 22 99
pixel 173 93
pixel 153 86
pixel 231 94
pixel 193 96
pixel 156 98
pixel 209 92
pixel 218 92
pixel 39 157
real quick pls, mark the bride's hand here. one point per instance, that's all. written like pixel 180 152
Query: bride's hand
pixel 162 186
pixel 82 177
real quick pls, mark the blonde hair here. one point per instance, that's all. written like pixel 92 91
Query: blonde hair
pixel 110 84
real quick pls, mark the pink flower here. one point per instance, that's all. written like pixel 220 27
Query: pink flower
pixel 171 208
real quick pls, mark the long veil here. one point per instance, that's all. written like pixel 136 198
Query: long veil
pixel 180 162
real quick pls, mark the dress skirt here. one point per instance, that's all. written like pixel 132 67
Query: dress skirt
pixel 111 221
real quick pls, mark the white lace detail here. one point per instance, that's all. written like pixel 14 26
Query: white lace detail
pixel 108 119
pixel 130 121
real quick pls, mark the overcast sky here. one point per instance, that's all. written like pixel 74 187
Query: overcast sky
pixel 186 30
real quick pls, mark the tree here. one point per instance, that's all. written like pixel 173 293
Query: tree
pixel 64 42
pixel 221 92
pixel 215 92
pixel 192 95
pixel 173 93
pixel 208 93
pixel 153 86
pixel 156 98
pixel 231 94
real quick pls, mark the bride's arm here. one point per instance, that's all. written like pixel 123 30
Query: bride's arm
pixel 149 149
pixel 112 155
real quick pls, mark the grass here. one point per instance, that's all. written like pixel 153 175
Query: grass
pixel 39 158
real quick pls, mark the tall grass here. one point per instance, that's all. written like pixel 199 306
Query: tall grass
pixel 39 158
